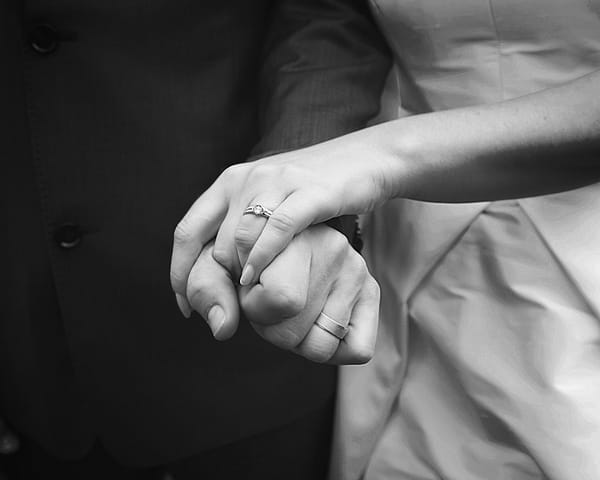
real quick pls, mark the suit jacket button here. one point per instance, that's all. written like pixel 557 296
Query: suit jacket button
pixel 68 236
pixel 43 39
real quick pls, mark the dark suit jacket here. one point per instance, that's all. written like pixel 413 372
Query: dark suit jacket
pixel 115 116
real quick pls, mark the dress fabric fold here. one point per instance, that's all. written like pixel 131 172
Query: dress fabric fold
pixel 488 355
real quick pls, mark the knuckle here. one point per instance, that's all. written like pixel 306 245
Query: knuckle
pixel 339 243
pixel 257 315
pixel 318 355
pixel 289 302
pixel 244 238
pixel 357 264
pixel 341 258
pixel 233 171
pixel 292 171
pixel 374 289
pixel 282 337
pixel 198 294
pixel 281 222
pixel 182 234
pixel 223 257
pixel 319 348
pixel 178 283
pixel 360 260
pixel 263 172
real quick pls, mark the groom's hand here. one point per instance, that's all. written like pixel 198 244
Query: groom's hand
pixel 210 291
pixel 319 277
pixel 318 272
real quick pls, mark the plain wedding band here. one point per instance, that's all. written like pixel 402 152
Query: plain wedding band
pixel 331 326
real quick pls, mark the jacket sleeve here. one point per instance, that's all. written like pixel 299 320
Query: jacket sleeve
pixel 325 64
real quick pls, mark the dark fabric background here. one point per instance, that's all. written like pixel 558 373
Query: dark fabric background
pixel 118 130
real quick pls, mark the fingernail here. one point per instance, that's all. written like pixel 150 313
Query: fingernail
pixel 183 305
pixel 216 320
pixel 247 275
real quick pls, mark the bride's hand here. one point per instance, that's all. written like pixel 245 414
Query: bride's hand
pixel 294 190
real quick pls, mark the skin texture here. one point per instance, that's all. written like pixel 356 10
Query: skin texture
pixel 542 143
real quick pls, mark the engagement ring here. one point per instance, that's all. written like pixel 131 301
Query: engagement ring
pixel 258 210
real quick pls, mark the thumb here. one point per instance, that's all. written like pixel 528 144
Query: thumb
pixel 9 442
pixel 211 293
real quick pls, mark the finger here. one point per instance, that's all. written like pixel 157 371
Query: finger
pixel 184 306
pixel 293 215
pixel 224 251
pixel 320 344
pixel 196 228
pixel 277 306
pixel 211 293
pixel 250 226
pixel 9 442
pixel 358 345
pixel 283 288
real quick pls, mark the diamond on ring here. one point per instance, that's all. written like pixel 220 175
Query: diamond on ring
pixel 258 210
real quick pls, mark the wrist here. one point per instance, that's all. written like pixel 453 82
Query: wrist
pixel 414 152
pixel 394 151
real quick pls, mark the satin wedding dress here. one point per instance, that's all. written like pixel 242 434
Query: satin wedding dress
pixel 488 355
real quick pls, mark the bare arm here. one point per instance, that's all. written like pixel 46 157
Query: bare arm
pixel 541 143
pixel 538 144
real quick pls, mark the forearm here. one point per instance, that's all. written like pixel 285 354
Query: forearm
pixel 538 144
pixel 542 143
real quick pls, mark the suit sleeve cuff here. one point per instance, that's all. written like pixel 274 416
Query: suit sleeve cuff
pixel 348 226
